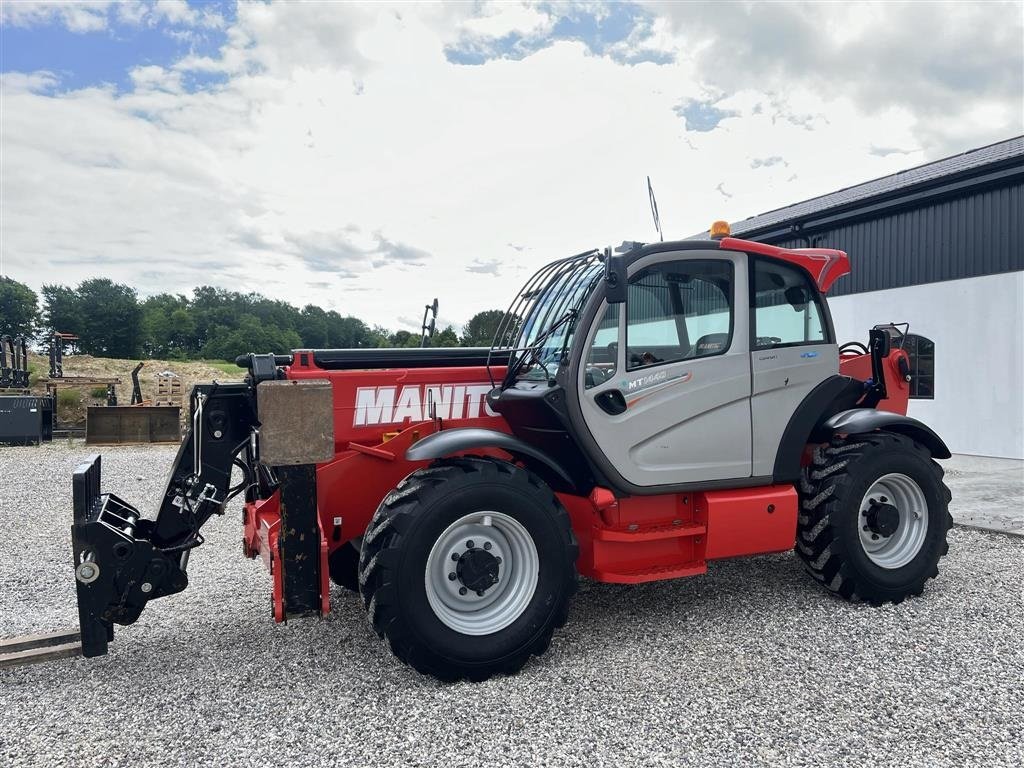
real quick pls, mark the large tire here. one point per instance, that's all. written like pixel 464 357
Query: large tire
pixel 417 519
pixel 343 564
pixel 841 544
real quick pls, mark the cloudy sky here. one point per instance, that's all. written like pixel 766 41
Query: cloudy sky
pixel 369 158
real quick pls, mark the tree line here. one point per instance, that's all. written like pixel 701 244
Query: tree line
pixel 212 323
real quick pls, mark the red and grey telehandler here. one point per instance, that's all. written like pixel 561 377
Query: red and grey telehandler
pixel 641 412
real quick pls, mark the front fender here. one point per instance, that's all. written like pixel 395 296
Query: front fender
pixel 449 442
pixel 860 420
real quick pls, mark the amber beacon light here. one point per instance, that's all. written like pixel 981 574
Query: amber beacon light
pixel 719 229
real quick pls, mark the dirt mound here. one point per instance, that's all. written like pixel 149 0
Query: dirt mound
pixel 72 403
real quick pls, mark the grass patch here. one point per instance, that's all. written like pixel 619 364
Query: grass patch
pixel 98 392
pixel 225 367
pixel 67 399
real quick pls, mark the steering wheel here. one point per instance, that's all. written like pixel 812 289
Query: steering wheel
pixel 853 348
pixel 595 375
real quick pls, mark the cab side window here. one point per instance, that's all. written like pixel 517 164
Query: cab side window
pixel 603 354
pixel 678 310
pixel 785 305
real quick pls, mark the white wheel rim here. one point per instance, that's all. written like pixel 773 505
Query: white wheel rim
pixel 903 545
pixel 463 609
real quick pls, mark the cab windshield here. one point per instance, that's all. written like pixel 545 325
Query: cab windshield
pixel 539 325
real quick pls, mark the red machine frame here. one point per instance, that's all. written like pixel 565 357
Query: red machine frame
pixel 622 540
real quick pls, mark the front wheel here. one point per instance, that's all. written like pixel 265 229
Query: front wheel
pixel 468 567
pixel 874 517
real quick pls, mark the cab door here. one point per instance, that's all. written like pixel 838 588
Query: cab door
pixel 667 398
pixel 792 351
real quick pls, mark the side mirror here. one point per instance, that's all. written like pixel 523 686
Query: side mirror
pixel 614 277
pixel 797 297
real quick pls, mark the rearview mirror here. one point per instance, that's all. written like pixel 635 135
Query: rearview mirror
pixel 614 277
pixel 797 297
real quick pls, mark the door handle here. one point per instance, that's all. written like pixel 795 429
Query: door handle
pixel 611 401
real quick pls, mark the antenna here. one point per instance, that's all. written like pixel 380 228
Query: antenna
pixel 654 210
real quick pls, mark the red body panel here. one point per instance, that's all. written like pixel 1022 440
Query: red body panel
pixel 897 387
pixel 826 265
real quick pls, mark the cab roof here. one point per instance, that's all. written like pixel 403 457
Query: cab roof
pixel 824 265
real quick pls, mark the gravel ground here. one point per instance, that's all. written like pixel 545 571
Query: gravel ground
pixel 750 664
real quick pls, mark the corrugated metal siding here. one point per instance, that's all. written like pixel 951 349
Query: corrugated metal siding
pixel 978 234
pixel 978 160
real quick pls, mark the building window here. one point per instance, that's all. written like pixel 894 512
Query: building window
pixel 921 351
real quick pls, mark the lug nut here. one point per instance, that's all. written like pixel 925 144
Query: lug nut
pixel 497 560
pixel 874 537
pixel 452 576
pixel 462 590
pixel 479 593
pixel 455 556
pixel 883 499
pixel 487 545
pixel 469 544
pixel 146 587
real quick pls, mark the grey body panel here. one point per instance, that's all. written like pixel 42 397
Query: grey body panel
pixel 782 378
pixel 451 441
pixel 688 421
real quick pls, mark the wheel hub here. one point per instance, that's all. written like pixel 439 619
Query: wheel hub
pixel 893 520
pixel 477 569
pixel 481 572
pixel 882 518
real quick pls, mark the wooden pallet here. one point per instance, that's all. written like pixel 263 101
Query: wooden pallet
pixel 31 649
pixel 165 385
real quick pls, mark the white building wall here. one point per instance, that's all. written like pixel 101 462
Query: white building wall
pixel 977 325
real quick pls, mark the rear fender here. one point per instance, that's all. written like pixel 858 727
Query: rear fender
pixel 858 421
pixel 450 442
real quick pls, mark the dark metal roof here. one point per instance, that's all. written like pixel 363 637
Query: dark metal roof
pixel 976 162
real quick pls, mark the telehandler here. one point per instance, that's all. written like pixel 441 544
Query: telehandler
pixel 641 412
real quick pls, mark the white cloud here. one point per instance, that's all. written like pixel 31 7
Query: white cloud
pixel 79 16
pixel 497 19
pixel 96 15
pixel 344 161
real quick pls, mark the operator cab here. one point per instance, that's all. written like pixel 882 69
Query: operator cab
pixel 687 375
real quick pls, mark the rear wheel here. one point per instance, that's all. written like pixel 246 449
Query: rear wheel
pixel 468 567
pixel 874 517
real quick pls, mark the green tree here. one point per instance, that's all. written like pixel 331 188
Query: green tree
pixel 313 327
pixel 250 335
pixel 168 328
pixel 480 330
pixel 349 332
pixel 404 339
pixel 445 338
pixel 105 315
pixel 19 308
